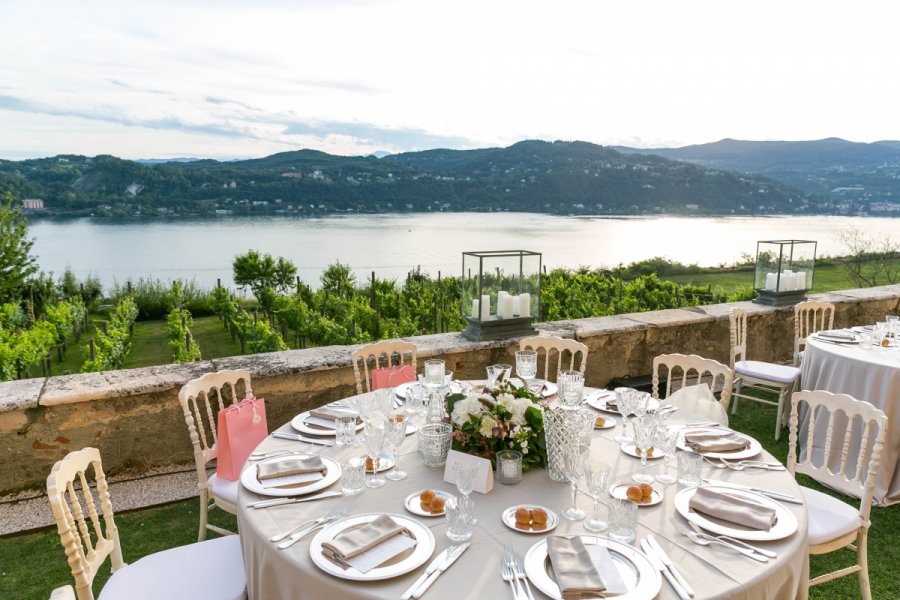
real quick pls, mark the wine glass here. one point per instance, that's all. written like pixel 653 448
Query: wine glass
pixel 667 440
pixel 365 404
pixel 597 476
pixel 465 483
pixel 374 436
pixel 573 463
pixel 571 388
pixel 394 434
pixel 526 366
pixel 644 439
pixel 624 403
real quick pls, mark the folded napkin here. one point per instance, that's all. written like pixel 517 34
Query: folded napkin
pixel 716 442
pixel 331 413
pixel 576 575
pixel 348 545
pixel 732 508
pixel 837 334
pixel 291 466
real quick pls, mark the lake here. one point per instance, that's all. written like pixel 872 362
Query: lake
pixel 203 248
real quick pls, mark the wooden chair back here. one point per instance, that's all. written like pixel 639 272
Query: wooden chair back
pixel 555 351
pixel 689 369
pixel 809 317
pixel 86 541
pixel 861 473
pixel 380 354
pixel 201 400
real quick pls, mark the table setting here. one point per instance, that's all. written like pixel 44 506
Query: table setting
pixel 529 536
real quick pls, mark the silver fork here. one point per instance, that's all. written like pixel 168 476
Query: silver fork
pixel 704 539
pixel 519 570
pixel 299 531
pixel 734 541
pixel 507 574
pixel 509 559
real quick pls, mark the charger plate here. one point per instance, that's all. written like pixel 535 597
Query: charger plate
pixel 752 450
pixel 299 424
pixel 785 523
pixel 249 480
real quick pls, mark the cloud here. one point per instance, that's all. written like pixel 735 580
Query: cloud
pixel 409 138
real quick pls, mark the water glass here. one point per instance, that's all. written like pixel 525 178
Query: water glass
pixel 365 404
pixel 505 372
pixel 624 397
pixel 384 401
pixel 415 399
pixel 667 439
pixel 434 443
pixel 353 475
pixel 460 515
pixel 345 431
pixel 571 388
pixel 434 372
pixel 597 476
pixel 374 435
pixel 509 467
pixel 574 463
pixel 689 468
pixel 644 439
pixel 623 520
pixel 526 365
pixel 493 372
pixel 879 333
pixel 395 433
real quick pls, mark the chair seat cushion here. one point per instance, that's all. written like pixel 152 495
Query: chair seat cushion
pixel 829 518
pixel 767 371
pixel 213 569
pixel 224 489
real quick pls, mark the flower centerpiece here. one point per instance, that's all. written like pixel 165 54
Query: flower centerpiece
pixel 486 421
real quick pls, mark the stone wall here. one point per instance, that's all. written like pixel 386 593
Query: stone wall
pixel 135 419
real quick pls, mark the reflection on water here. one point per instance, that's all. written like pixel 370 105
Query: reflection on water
pixel 391 245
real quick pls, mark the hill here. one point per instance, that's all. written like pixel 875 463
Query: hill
pixel 535 176
pixel 853 175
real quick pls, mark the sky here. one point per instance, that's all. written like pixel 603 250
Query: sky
pixel 227 79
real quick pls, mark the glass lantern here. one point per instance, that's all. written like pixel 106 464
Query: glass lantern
pixel 784 271
pixel 501 293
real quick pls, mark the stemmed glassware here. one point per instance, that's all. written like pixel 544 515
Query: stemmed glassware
pixel 667 439
pixel 571 388
pixel 574 461
pixel 625 401
pixel 644 439
pixel 395 433
pixel 435 378
pixel 374 436
pixel 365 404
pixel 526 366
pixel 597 476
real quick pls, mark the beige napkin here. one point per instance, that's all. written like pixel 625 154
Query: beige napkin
pixel 350 544
pixel 331 414
pixel 575 574
pixel 292 466
pixel 732 508
pixel 709 442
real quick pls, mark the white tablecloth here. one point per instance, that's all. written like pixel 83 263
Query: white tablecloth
pixel 274 574
pixel 872 375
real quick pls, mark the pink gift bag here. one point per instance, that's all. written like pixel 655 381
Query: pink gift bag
pixel 392 376
pixel 241 427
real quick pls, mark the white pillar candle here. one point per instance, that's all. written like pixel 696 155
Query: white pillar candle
pixel 525 305
pixel 771 279
pixel 485 308
pixel 505 308
pixel 474 308
pixel 801 280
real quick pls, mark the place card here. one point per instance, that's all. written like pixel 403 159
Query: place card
pixel 289 480
pixel 484 475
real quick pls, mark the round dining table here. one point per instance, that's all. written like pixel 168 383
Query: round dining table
pixel 713 571
pixel 868 374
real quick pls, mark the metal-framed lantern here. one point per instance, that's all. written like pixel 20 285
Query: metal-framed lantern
pixel 501 293
pixel 784 271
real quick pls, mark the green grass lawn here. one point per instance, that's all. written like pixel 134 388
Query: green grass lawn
pixel 32 565
pixel 828 277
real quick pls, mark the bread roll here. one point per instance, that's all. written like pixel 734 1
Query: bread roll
pixel 538 518
pixel 426 496
pixel 634 493
pixel 523 515
pixel 437 504
pixel 599 422
pixel 646 491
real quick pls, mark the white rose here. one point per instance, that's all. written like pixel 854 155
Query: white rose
pixel 487 426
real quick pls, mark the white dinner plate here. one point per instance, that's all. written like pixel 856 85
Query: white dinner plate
pixel 550 388
pixel 631 450
pixel 509 519
pixel 400 390
pixel 619 491
pixel 598 400
pixel 752 450
pixel 249 480
pixel 785 521
pixel 404 563
pixel 299 424
pixel 414 505
pixel 641 579
pixel 609 423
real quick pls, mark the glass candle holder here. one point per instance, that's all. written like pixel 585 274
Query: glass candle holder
pixel 509 467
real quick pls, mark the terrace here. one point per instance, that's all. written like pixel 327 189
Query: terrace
pixel 134 418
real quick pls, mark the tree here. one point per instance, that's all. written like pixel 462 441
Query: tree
pixel 872 260
pixel 264 276
pixel 16 262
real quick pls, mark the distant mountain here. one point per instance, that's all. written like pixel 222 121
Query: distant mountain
pixel 554 177
pixel 842 170
pixel 159 161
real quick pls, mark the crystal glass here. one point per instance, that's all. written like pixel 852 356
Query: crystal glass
pixel 434 443
pixel 624 403
pixel 879 333
pixel 493 372
pixel 460 519
pixel 345 431
pixel 353 475
pixel 574 461
pixel 571 388
pixel 597 477
pixel 374 435
pixel 465 478
pixel 641 404
pixel 434 372
pixel 526 366
pixel 394 434
pixel 509 467
pixel 623 520
pixel 365 404
pixel 667 439
pixel 415 399
pixel 562 429
pixel 689 468
pixel 644 439
pixel 505 371
pixel 384 401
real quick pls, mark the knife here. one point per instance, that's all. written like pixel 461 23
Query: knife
pixel 770 493
pixel 300 438
pixel 428 571
pixel 279 501
pixel 449 559
pixel 669 565
pixel 658 565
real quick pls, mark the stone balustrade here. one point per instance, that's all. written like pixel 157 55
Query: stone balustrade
pixel 135 419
